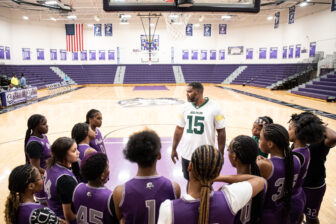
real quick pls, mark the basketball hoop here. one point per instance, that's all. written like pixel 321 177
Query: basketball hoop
pixel 176 25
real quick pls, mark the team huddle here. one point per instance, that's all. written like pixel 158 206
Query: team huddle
pixel 277 182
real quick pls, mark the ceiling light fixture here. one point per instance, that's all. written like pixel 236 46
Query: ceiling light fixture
pixel 226 17
pixel 303 4
pixel 25 17
pixel 73 17
pixel 96 18
pixel 270 18
pixel 201 18
pixel 53 19
pixel 51 2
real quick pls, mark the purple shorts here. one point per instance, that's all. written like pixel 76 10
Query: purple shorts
pixel 298 202
pixel 314 201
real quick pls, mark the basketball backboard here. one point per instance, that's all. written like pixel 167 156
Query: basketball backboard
pixel 183 5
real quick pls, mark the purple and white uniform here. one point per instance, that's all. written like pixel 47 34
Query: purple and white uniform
pixel 273 203
pixel 34 213
pixel 50 187
pixel 186 211
pixel 143 196
pixel 82 148
pixel 45 155
pixel 298 195
pixel 92 205
pixel 98 142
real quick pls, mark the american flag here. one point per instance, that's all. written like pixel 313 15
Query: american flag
pixel 74 37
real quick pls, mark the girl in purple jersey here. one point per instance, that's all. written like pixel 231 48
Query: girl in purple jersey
pixel 21 208
pixel 60 181
pixel 202 205
pixel 94 118
pixel 139 199
pixel 243 152
pixel 304 128
pixel 279 171
pixel 94 199
pixel 37 147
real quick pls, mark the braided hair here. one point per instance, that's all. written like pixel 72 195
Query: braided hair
pixel 246 150
pixel 207 163
pixel 279 136
pixel 18 181
pixel 32 123
pixel 91 114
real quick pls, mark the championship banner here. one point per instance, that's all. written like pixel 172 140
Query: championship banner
pixel 83 55
pixel 10 98
pixel 194 54
pixel 53 54
pixel 26 54
pixel 97 30
pixel 145 43
pixel 237 50
pixel 189 29
pixel 2 52
pixel 284 52
pixel 298 51
pixel 291 52
pixel 312 49
pixel 75 56
pixel 276 20
pixel 92 54
pixel 204 55
pixel 213 54
pixel 207 30
pixel 63 55
pixel 291 15
pixel 108 30
pixel 101 55
pixel 333 5
pixel 7 53
pixel 111 55
pixel 222 28
pixel 273 53
pixel 262 53
pixel 249 53
pixel 222 54
pixel 40 54
pixel 185 54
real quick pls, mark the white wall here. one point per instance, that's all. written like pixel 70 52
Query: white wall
pixel 318 27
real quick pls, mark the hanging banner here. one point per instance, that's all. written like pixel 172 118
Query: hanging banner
pixel 237 50
pixel 333 5
pixel 7 53
pixel 83 55
pixel 291 15
pixel 273 53
pixel 63 55
pixel 312 49
pixel 189 30
pixel 185 54
pixel 249 53
pixel 92 54
pixel 194 54
pixel 222 54
pixel 53 54
pixel 26 54
pixel 2 52
pixel 101 55
pixel 291 52
pixel 213 54
pixel 284 52
pixel 222 28
pixel 276 20
pixel 75 56
pixel 144 40
pixel 111 55
pixel 97 30
pixel 40 54
pixel 108 30
pixel 204 55
pixel 298 51
pixel 207 30
pixel 262 53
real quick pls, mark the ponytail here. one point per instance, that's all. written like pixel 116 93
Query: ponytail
pixel 32 123
pixel 12 207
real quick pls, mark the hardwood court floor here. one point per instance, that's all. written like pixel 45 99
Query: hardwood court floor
pixel 64 111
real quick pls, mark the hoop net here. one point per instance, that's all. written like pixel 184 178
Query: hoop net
pixel 176 25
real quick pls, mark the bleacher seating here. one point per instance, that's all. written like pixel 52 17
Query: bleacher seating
pixel 324 88
pixel 143 74
pixel 263 75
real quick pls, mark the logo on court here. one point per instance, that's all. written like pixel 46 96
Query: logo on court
pixel 142 102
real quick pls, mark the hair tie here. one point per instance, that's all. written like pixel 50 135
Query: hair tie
pixel 207 186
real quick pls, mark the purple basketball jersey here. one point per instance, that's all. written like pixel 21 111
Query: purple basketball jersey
pixel 46 153
pixel 305 153
pixel 50 187
pixel 98 142
pixel 143 196
pixel 274 204
pixel 82 148
pixel 92 202
pixel 35 213
pixel 186 211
